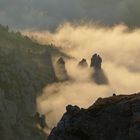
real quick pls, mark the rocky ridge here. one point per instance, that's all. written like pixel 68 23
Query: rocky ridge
pixel 113 118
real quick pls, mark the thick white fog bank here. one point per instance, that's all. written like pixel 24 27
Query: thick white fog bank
pixel 119 48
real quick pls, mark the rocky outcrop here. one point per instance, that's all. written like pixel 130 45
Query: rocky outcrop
pixel 96 61
pixel 98 74
pixel 113 118
pixel 60 70
pixel 83 63
pixel 40 120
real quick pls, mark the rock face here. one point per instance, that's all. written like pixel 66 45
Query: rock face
pixel 96 61
pixel 40 120
pixel 60 70
pixel 83 63
pixel 98 74
pixel 113 118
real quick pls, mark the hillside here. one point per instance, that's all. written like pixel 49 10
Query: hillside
pixel 113 118
pixel 25 68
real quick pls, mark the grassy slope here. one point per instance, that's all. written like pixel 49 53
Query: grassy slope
pixel 25 68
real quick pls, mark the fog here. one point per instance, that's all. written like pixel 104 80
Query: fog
pixel 119 48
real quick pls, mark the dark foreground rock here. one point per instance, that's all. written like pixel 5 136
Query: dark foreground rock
pixel 113 118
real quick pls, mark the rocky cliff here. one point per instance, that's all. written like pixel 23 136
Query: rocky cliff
pixel 113 118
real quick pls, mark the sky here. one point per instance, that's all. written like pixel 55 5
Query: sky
pixel 49 14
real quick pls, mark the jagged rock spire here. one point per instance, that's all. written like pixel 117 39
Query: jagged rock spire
pixel 96 61
pixel 83 63
pixel 98 73
pixel 60 70
pixel 40 119
pixel 61 61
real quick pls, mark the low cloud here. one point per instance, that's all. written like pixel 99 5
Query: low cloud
pixel 119 48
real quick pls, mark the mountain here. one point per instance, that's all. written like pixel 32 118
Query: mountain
pixel 25 68
pixel 113 118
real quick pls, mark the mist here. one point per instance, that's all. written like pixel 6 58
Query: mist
pixel 119 48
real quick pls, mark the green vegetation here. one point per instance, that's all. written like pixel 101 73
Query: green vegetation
pixel 25 68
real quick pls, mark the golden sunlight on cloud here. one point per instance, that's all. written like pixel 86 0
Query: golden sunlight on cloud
pixel 118 46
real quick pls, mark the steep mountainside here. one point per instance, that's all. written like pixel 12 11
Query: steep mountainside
pixel 113 118
pixel 25 68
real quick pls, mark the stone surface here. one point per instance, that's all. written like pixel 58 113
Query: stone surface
pixel 83 63
pixel 113 118
pixel 96 61
pixel 98 74
pixel 60 70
